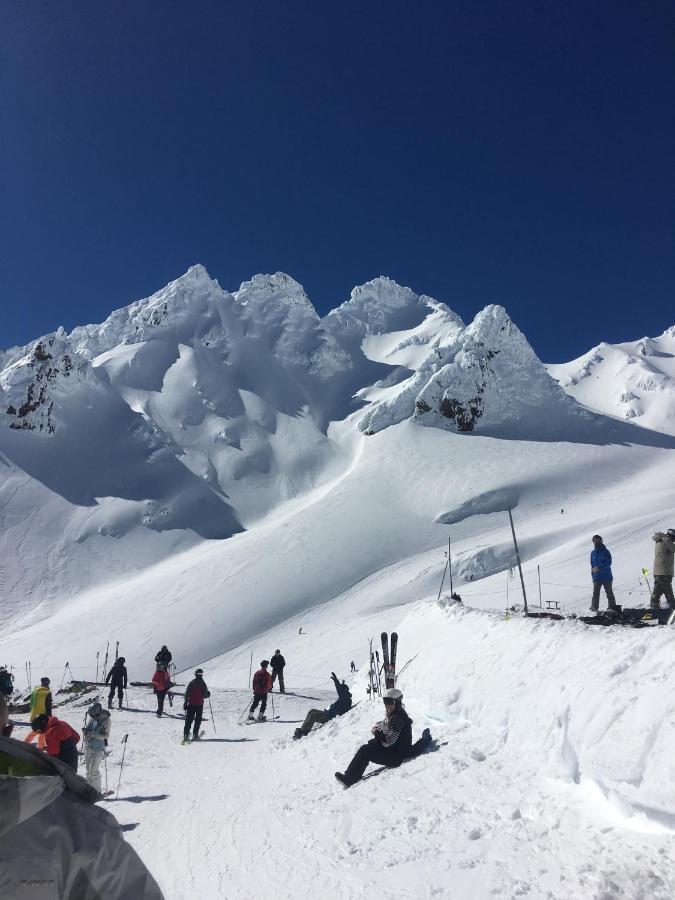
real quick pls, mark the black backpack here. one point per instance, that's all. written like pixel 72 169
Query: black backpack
pixel 6 682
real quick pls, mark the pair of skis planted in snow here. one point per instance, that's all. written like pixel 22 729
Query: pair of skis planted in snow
pixel 389 658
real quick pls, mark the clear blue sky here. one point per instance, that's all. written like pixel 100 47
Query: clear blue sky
pixel 479 151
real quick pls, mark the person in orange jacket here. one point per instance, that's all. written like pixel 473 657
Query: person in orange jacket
pixel 262 685
pixel 60 739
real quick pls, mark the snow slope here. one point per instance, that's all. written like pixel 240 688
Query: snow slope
pixel 634 380
pixel 223 469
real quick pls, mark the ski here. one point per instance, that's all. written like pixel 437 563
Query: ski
pixel 258 721
pixel 385 658
pixel 392 660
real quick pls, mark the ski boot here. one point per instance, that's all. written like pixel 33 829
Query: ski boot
pixel 262 718
pixel 297 734
pixel 251 717
pixel 342 779
pixel 195 737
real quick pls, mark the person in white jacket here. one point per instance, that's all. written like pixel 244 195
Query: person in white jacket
pixel 55 841
pixel 664 550
pixel 96 732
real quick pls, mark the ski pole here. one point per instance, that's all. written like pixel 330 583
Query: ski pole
pixel 96 682
pixel 119 780
pixel 105 767
pixel 65 669
pixel 105 662
pixel 272 695
pixel 213 721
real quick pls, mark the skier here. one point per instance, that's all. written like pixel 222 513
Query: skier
pixel 278 662
pixel 262 685
pixel 663 568
pixel 195 694
pixel 41 699
pixel 601 573
pixel 117 677
pixel 161 684
pixel 96 733
pixel 353 666
pixel 164 656
pixel 337 708
pixel 6 690
pixel 60 739
pixel 392 741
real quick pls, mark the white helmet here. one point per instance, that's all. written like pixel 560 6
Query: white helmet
pixel 392 694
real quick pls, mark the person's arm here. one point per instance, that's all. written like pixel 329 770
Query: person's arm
pixel 608 558
pixel 207 693
pixel 48 703
pixel 33 701
pixel 109 675
pixel 390 731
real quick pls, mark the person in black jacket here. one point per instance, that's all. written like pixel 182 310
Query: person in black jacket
pixel 195 694
pixel 278 662
pixel 117 677
pixel 392 741
pixel 337 708
pixel 164 656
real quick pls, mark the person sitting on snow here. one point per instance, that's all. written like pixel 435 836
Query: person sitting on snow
pixel 392 741
pixel 96 733
pixel 340 706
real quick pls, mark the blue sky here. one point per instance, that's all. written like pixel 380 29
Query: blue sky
pixel 513 152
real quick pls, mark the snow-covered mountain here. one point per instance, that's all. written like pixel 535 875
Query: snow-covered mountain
pixel 633 381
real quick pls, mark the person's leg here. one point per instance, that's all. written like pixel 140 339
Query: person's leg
pixel 668 590
pixel 199 712
pixel 93 762
pixel 595 602
pixel 422 745
pixel 274 676
pixel 263 704
pixel 68 754
pixel 120 695
pixel 655 601
pixel 189 716
pixel 370 752
pixel 313 716
pixel 256 700
pixel 111 695
pixel 611 600
pixel 282 687
pixel 160 702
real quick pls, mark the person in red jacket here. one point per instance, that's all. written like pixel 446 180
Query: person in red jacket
pixel 161 683
pixel 195 694
pixel 262 685
pixel 60 739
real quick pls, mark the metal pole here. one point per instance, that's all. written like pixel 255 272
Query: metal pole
pixel 442 580
pixel 119 780
pixel 450 566
pixel 213 722
pixel 539 579
pixel 250 670
pixel 96 682
pixel 515 544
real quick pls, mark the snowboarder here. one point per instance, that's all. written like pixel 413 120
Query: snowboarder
pixel 117 677
pixel 601 573
pixel 164 656
pixel 663 568
pixel 262 685
pixel 392 741
pixel 96 732
pixel 60 739
pixel 353 666
pixel 195 694
pixel 278 662
pixel 6 690
pixel 161 684
pixel 41 699
pixel 337 708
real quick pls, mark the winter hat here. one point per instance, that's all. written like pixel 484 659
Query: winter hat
pixel 596 537
pixel 264 663
pixel 120 661
pixel 95 710
pixel 393 694
pixel 44 681
pixel 199 672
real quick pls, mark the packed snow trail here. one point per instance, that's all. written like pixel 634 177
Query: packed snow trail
pixel 553 777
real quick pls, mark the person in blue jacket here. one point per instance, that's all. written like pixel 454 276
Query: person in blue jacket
pixel 601 573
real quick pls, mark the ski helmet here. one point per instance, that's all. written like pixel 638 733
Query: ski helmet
pixel 393 694
pixel 121 661
pixel 95 710
pixel 671 532
pixel 44 681
pixel 199 672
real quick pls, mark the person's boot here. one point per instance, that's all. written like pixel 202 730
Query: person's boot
pixel 262 718
pixel 251 717
pixel 195 736
pixel 298 733
pixel 109 704
pixel 343 780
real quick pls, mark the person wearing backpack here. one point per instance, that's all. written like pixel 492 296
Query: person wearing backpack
pixel 117 677
pixel 96 733
pixel 195 694
pixel 161 684
pixel 262 685
pixel 41 700
pixel 6 690
pixel 60 739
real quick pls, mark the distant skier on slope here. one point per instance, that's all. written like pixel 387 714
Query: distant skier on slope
pixel 96 733
pixel 195 694
pixel 601 573
pixel 278 662
pixel 392 741
pixel 663 568
pixel 161 684
pixel 117 677
pixel 262 685
pixel 337 708
pixel 164 656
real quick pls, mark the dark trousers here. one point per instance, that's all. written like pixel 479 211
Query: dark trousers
pixel 120 693
pixel 68 753
pixel 611 602
pixel 161 696
pixel 280 674
pixel 259 699
pixel 374 752
pixel 313 716
pixel 193 714
pixel 663 586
